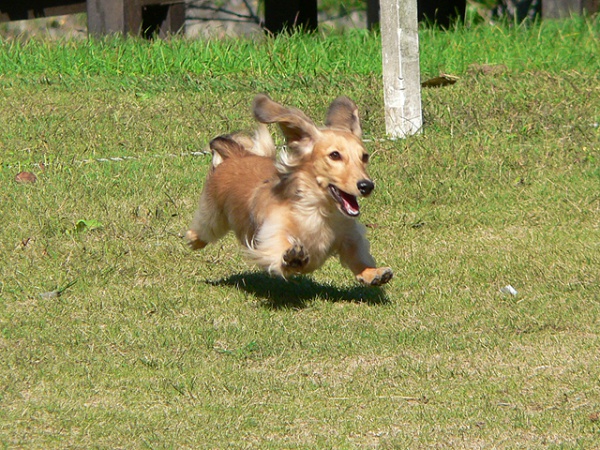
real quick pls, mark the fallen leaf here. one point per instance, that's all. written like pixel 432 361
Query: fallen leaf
pixel 441 81
pixel 25 177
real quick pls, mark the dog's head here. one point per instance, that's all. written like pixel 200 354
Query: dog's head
pixel 334 156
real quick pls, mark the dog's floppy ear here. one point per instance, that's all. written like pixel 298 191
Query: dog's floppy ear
pixel 343 114
pixel 300 132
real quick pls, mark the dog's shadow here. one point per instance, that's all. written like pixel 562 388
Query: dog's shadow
pixel 298 292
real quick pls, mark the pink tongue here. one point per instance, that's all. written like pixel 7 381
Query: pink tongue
pixel 350 204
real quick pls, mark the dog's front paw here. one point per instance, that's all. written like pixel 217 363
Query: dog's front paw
pixel 375 276
pixel 295 257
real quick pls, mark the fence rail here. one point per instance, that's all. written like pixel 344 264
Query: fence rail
pixel 106 16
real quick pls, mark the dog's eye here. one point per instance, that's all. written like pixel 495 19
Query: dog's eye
pixel 365 158
pixel 335 156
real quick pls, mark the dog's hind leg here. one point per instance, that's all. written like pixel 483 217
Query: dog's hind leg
pixel 375 276
pixel 208 225
pixel 194 241
pixel 354 253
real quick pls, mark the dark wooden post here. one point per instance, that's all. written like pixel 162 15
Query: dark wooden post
pixel 162 19
pixel 148 17
pixel 290 15
pixel 106 16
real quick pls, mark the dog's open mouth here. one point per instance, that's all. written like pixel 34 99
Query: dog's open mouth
pixel 347 203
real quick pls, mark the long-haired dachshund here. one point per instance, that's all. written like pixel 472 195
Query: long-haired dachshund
pixel 294 211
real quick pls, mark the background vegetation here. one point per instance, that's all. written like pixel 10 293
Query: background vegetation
pixel 113 334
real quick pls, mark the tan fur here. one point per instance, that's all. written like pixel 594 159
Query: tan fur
pixel 292 212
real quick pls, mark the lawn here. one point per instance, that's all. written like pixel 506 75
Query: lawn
pixel 114 335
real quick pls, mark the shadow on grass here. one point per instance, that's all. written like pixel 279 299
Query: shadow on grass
pixel 298 292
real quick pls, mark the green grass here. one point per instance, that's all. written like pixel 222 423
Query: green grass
pixel 154 346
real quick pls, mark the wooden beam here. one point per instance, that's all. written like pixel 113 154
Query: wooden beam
pixel 401 73
pixel 33 9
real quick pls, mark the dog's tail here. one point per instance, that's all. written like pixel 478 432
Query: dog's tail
pixel 239 144
pixel 224 147
pixel 263 144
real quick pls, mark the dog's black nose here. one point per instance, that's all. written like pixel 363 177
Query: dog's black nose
pixel 365 187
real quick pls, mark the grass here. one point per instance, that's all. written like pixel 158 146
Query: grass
pixel 157 347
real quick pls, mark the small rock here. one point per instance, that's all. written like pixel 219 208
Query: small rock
pixel 509 290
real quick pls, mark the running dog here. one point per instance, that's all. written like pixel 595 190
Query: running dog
pixel 295 210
